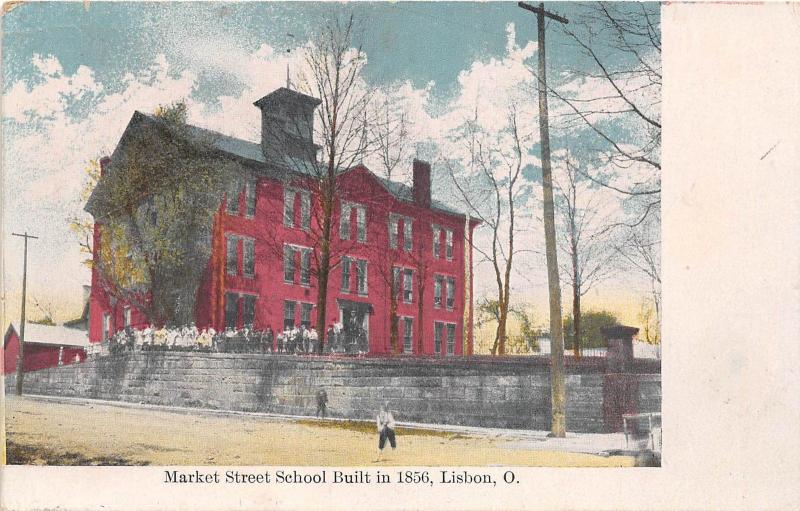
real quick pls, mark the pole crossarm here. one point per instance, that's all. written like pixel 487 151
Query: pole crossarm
pixel 26 235
pixel 547 14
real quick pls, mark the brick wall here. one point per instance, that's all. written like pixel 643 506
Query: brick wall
pixel 506 393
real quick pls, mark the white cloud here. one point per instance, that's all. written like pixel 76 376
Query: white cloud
pixel 55 122
pixel 49 99
pixel 48 66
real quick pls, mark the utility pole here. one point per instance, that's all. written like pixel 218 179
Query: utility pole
pixel 557 384
pixel 21 357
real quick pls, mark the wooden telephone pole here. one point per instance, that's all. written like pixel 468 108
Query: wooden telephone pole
pixel 21 357
pixel 557 385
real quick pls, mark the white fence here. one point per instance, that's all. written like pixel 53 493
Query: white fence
pixel 640 350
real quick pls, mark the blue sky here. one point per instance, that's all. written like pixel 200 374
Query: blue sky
pixel 408 40
pixel 75 72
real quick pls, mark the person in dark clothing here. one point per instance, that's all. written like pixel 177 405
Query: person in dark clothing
pixel 386 427
pixel 322 403
pixel 268 339
pixel 330 346
pixel 129 338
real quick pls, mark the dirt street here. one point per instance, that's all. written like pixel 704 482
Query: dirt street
pixel 86 433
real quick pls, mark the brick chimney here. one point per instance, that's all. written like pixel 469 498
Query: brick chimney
pixel 422 183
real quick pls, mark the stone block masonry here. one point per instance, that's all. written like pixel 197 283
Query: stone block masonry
pixel 511 392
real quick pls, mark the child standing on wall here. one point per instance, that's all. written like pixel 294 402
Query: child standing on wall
pixel 385 429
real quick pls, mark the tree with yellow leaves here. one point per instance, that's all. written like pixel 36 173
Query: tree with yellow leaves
pixel 155 205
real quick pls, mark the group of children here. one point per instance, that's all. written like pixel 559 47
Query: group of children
pixel 292 340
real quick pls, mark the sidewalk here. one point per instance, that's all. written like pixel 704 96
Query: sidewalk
pixel 586 443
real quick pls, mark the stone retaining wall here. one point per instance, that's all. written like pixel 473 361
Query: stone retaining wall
pixel 476 391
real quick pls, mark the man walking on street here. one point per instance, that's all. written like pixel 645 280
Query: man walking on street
pixel 322 403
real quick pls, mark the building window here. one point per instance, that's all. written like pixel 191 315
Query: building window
pixel 438 283
pixel 288 207
pixel 289 203
pixel 407 232
pixel 436 241
pixel 305 267
pixel 361 224
pixel 344 222
pixel 438 331
pixel 451 338
pixel 408 323
pixel 393 225
pixel 288 313
pixel 451 292
pixel 305 314
pixel 232 255
pixel 448 244
pixel 249 257
pixel 299 124
pixel 346 218
pixel 231 310
pixel 126 316
pixel 361 272
pixel 250 197
pixel 288 264
pixel 305 211
pixel 345 274
pixel 408 284
pixel 232 198
pixel 106 325
pixel 248 310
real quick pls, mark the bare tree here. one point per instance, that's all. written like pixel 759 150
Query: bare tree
pixel 584 241
pixel 492 190
pixel 331 77
pixel 390 265
pixel 640 249
pixel 651 328
pixel 390 133
pixel 389 273
pixel 46 311
pixel 391 147
pixel 82 226
pixel 525 339
pixel 617 102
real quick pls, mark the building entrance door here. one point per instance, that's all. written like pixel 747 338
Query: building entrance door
pixel 354 317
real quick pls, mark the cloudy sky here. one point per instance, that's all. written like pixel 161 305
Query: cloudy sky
pixel 73 73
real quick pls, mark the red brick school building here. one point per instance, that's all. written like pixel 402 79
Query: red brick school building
pixel 386 235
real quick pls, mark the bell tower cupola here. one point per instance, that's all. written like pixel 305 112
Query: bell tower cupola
pixel 287 126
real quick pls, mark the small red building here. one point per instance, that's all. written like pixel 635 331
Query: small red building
pixel 45 346
pixel 262 269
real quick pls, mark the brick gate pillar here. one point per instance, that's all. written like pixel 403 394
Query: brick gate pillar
pixel 620 385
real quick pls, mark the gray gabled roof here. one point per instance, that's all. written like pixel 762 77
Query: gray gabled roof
pixel 50 334
pixel 251 152
pixel 243 149
pixel 227 144
pixel 405 193
pixel 284 95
